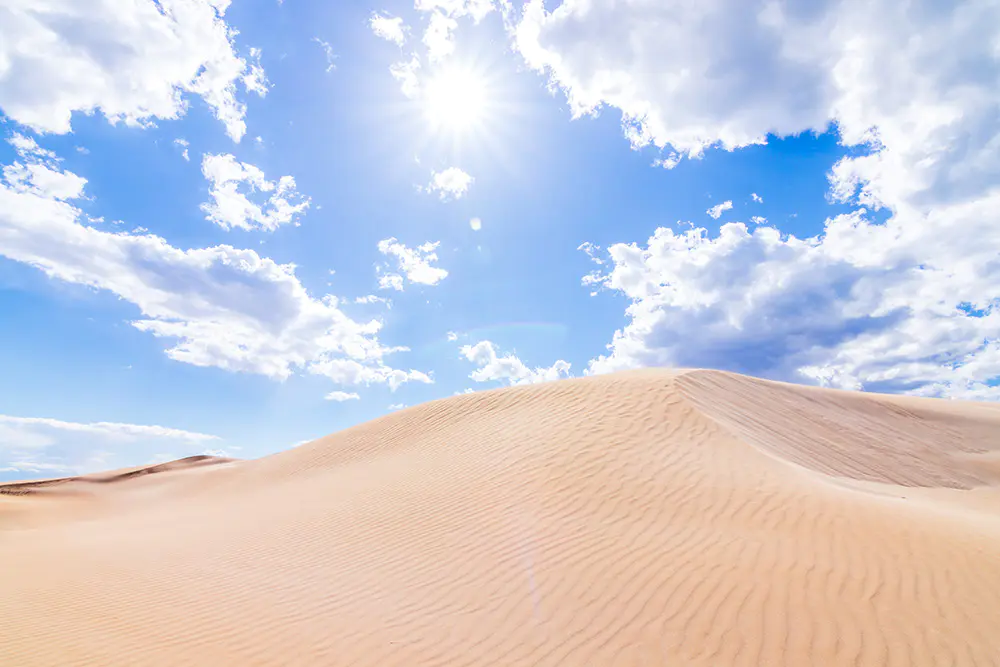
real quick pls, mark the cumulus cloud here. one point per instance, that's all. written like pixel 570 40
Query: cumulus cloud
pixel 406 73
pixel 219 307
pixel 39 172
pixel 758 220
pixel 475 9
pixel 782 69
pixel 391 281
pixel 416 264
pixel 854 308
pixel 451 336
pixel 507 368
pixel 231 186
pixel 33 446
pixel 439 38
pixel 675 88
pixel 390 28
pixel 906 304
pixel 668 162
pixel 756 197
pixel 450 183
pixel 476 224
pixel 717 210
pixel 134 62
pixel 741 299
pixel 341 396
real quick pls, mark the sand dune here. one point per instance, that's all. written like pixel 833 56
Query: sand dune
pixel 68 484
pixel 645 518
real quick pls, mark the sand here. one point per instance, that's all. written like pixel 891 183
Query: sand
pixel 645 518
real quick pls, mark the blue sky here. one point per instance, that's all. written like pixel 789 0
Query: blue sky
pixel 218 219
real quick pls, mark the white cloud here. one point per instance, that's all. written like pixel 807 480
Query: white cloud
pixel 476 9
pixel 855 308
pixel 255 79
pixel 371 298
pixel 390 28
pixel 183 145
pixel 668 162
pixel 278 203
pixel 717 210
pixel 351 372
pixel 220 307
pixel 28 147
pixel 772 68
pixel 450 183
pixel 396 406
pixel 391 281
pixel 40 172
pixel 406 73
pixel 331 57
pixel 508 368
pixel 132 61
pixel 229 453
pixel 476 224
pixel 788 70
pixel 902 305
pixel 594 278
pixel 438 37
pixel 32 446
pixel 33 432
pixel 740 298
pixel 756 197
pixel 413 263
pixel 592 250
pixel 758 220
pixel 341 396
pixel 651 61
pixel 451 336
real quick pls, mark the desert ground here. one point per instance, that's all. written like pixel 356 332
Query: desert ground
pixel 645 518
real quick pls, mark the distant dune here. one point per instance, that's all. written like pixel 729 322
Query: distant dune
pixel 644 518
pixel 70 484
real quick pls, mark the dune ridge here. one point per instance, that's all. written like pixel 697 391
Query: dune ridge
pixel 23 488
pixel 644 518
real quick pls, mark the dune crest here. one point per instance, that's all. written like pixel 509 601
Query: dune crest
pixel 110 477
pixel 643 518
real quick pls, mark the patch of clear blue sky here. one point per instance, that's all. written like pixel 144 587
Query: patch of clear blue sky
pixel 543 185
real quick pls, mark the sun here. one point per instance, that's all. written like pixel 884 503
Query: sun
pixel 456 100
pixel 461 107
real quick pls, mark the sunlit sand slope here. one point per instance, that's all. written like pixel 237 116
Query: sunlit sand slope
pixel 645 518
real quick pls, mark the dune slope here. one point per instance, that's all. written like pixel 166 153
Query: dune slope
pixel 644 518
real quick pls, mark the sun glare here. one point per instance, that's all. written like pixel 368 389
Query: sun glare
pixel 455 100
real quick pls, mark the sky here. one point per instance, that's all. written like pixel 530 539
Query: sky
pixel 232 227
